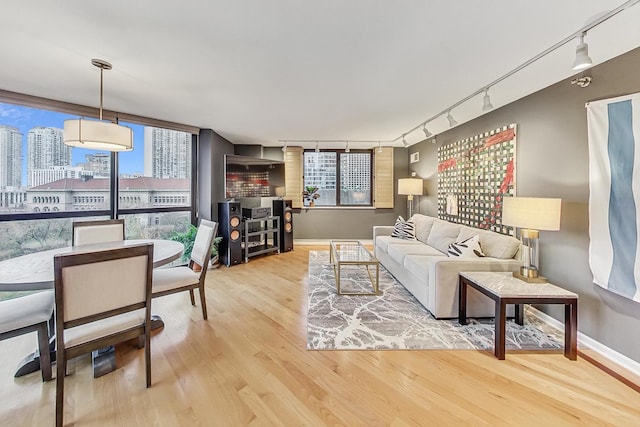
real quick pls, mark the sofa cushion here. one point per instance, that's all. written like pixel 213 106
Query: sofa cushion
pixel 493 244
pixel 442 235
pixel 398 252
pixel 423 226
pixel 418 266
pixel 499 245
pixel 404 229
pixel 382 242
pixel 468 248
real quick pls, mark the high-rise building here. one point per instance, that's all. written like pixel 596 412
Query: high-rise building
pixel 45 148
pixel 167 153
pixel 10 157
pixel 98 163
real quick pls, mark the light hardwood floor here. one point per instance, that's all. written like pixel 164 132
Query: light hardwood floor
pixel 248 366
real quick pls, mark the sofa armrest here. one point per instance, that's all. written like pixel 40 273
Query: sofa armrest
pixel 444 276
pixel 381 230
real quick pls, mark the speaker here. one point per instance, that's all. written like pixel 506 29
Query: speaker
pixel 230 226
pixel 284 210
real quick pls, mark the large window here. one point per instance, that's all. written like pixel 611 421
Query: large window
pixel 339 178
pixel 45 184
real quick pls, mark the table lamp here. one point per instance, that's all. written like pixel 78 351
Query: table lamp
pixel 410 187
pixel 280 192
pixel 531 214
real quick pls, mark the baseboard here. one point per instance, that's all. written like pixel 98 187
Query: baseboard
pixel 611 355
pixel 325 242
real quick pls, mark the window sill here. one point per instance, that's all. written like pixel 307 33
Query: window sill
pixel 360 208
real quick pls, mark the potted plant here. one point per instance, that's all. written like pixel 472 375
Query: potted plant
pixel 187 238
pixel 309 195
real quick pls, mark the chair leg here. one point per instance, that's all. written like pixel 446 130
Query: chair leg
pixel 43 349
pixel 193 299
pixel 141 340
pixel 61 364
pixel 147 353
pixel 203 301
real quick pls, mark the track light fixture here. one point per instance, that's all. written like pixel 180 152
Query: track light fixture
pixel 404 141
pixel 284 147
pixel 486 101
pixel 317 147
pixel 452 121
pixel 347 149
pixel 427 134
pixel 582 60
pixel 379 147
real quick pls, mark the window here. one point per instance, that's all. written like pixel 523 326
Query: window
pixel 43 181
pixel 341 178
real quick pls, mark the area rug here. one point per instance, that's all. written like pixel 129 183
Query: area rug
pixel 396 320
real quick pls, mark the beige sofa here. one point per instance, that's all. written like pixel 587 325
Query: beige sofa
pixel 424 269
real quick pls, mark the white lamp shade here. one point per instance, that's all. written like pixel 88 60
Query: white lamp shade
pixel 97 135
pixel 410 186
pixel 531 212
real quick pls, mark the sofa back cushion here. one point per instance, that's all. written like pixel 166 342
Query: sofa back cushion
pixel 442 235
pixel 493 244
pixel 423 225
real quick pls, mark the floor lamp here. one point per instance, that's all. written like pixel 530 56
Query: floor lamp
pixel 410 187
pixel 531 214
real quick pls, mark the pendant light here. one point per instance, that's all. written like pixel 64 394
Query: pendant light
pixel 98 134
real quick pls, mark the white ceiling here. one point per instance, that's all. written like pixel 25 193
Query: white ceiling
pixel 259 71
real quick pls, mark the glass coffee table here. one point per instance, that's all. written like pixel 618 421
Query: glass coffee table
pixel 349 253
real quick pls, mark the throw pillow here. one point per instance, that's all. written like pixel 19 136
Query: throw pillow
pixel 404 229
pixel 469 248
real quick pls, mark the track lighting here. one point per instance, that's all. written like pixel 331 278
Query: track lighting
pixel 452 121
pixel 317 147
pixel 347 149
pixel 427 134
pixel 582 55
pixel 379 147
pixel 404 141
pixel 486 101
pixel 284 147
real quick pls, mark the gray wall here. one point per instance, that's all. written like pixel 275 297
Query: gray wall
pixel 553 161
pixel 211 150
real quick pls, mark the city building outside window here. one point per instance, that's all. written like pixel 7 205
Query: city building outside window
pixel 340 178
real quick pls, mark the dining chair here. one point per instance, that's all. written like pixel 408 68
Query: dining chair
pixel 26 314
pixel 87 232
pixel 101 298
pixel 187 278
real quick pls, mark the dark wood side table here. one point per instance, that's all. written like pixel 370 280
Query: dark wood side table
pixel 505 289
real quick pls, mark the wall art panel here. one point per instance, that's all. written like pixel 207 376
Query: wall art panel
pixel 474 174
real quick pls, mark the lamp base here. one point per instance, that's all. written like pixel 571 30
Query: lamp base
pixel 538 279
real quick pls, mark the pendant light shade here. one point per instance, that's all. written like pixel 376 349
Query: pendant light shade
pixel 98 134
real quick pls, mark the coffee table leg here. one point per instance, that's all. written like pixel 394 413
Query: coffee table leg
pixel 571 330
pixel 501 317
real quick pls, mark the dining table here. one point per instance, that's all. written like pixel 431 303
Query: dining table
pixel 35 272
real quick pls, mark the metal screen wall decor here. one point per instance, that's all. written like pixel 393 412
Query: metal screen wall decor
pixel 474 174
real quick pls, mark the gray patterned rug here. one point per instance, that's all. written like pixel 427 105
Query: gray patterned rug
pixel 396 320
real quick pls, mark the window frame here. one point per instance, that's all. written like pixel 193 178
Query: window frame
pixel 339 153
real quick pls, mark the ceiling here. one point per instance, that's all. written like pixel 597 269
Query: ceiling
pixel 260 71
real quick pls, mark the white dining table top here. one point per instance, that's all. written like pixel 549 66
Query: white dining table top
pixel 35 271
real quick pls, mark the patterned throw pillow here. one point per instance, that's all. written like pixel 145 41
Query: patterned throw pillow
pixel 468 248
pixel 404 229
